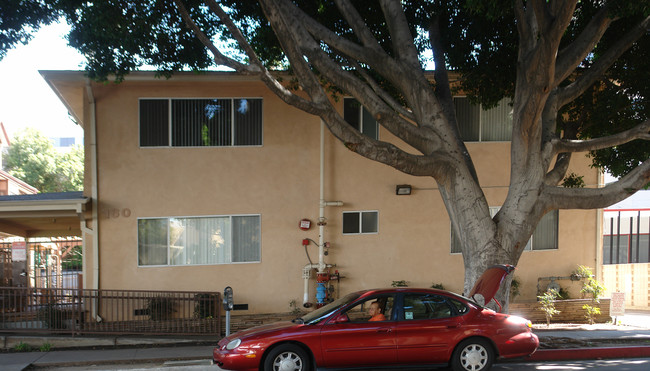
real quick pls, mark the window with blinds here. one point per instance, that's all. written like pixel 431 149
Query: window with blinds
pixel 545 236
pixel 199 240
pixel 478 125
pixel 219 122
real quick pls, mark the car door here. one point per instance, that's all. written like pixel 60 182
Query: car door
pixel 351 340
pixel 427 328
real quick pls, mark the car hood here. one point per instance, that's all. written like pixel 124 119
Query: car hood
pixel 490 281
pixel 263 329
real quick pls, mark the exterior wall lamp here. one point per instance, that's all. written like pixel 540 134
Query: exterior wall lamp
pixel 403 189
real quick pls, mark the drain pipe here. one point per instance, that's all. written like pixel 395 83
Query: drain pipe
pixel 93 176
pixel 321 267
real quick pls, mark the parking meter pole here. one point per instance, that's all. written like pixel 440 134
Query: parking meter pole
pixel 228 305
pixel 227 323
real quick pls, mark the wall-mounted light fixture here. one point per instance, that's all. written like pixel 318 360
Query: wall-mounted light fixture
pixel 403 189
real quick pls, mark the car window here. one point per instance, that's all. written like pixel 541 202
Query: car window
pixel 426 306
pixel 460 307
pixel 325 311
pixel 377 308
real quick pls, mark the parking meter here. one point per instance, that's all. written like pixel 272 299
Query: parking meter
pixel 228 302
pixel 228 305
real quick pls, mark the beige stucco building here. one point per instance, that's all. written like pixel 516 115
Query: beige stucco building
pixel 182 199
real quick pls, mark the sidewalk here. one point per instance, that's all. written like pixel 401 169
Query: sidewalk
pixel 79 351
pixel 561 342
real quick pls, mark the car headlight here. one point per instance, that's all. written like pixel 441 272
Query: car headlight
pixel 233 344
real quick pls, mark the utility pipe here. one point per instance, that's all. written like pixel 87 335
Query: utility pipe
pixel 321 266
pixel 93 177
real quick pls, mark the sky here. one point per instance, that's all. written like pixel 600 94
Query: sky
pixel 25 98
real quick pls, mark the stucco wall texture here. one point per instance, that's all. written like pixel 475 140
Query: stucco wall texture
pixel 279 180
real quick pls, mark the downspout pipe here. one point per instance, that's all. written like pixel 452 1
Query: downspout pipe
pixel 94 189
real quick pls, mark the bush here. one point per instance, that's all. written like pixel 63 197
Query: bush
pixel 160 308
pixel 23 347
pixel 206 305
pixel 51 316
pixel 547 305
pixel 590 287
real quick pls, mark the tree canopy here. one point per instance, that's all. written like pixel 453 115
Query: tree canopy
pixel 576 73
pixel 33 159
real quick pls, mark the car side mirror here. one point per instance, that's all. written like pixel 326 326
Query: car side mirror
pixel 342 318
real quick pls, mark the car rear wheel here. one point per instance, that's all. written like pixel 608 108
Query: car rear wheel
pixel 287 357
pixel 473 355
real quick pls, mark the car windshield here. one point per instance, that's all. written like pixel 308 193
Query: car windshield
pixel 324 312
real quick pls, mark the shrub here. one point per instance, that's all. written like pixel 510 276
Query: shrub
pixel 547 305
pixel 51 316
pixel 592 288
pixel 206 305
pixel 23 347
pixel 514 288
pixel 160 308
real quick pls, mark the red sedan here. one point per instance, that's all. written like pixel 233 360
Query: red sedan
pixel 388 327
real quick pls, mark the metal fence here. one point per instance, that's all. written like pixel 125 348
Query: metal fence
pixel 76 311
pixel 45 263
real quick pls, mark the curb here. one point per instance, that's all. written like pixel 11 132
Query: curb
pixel 571 354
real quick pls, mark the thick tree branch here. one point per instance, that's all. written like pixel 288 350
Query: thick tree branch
pixel 382 93
pixel 357 24
pixel 555 176
pixel 523 23
pixel 574 53
pixel 286 19
pixel 219 58
pixel 282 92
pixel 583 82
pixel 441 77
pixel 596 198
pixel 641 131
pixel 400 32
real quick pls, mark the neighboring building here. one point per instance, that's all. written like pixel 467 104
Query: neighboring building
pixel 63 142
pixel 184 200
pixel 626 249
pixel 10 185
pixel 4 143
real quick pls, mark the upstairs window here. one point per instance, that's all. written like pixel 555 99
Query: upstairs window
pixel 545 236
pixel 218 122
pixel 359 118
pixel 360 222
pixel 478 125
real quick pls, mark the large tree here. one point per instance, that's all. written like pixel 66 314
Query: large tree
pixel 32 158
pixel 576 73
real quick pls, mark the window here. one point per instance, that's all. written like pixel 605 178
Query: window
pixel 360 222
pixel 199 240
pixel 426 306
pixel 359 118
pixel 379 307
pixel 200 122
pixel 545 236
pixel 478 125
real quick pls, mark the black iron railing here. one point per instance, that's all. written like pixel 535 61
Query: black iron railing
pixel 78 311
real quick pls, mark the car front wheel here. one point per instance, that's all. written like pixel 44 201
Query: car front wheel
pixel 473 355
pixel 287 357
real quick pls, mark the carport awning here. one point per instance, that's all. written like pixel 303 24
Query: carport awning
pixel 42 214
